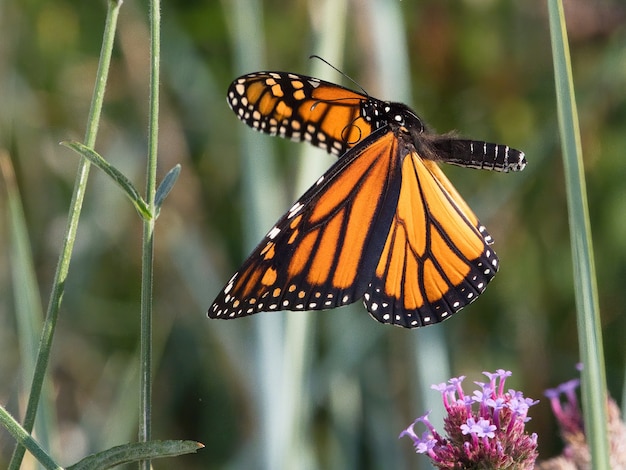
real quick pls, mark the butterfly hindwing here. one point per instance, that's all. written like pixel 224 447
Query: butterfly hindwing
pixel 449 189
pixel 436 258
pixel 318 254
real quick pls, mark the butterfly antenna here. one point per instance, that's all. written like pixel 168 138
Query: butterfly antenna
pixel 315 56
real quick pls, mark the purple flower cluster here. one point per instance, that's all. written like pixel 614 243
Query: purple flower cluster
pixel 576 454
pixel 485 430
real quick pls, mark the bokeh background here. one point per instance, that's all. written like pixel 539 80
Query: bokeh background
pixel 313 391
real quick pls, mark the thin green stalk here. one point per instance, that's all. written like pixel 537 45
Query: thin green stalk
pixel 145 375
pixel 25 440
pixel 587 308
pixel 58 284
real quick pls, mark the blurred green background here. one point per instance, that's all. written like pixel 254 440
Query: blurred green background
pixel 329 389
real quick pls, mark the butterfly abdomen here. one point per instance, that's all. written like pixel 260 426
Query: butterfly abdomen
pixel 479 154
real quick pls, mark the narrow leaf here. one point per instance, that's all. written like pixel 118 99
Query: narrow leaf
pixel 26 296
pixel 134 452
pixel 165 187
pixel 594 394
pixel 117 176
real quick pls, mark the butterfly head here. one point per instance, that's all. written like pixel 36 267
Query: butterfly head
pixel 382 113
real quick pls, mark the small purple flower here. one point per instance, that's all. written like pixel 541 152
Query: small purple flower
pixel 450 391
pixel 468 427
pixel 567 413
pixel 427 441
pixel 484 429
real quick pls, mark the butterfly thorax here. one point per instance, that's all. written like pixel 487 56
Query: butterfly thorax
pixel 382 113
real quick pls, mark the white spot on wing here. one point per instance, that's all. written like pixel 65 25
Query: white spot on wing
pixel 297 207
pixel 273 233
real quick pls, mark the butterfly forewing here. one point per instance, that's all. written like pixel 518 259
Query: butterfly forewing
pixel 317 255
pixel 300 108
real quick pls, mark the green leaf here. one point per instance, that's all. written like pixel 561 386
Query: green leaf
pixel 165 187
pixel 134 452
pixel 26 295
pixel 117 176
pixel 593 386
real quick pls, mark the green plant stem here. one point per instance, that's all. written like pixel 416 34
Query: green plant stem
pixel 26 441
pixel 145 377
pixel 60 276
pixel 587 307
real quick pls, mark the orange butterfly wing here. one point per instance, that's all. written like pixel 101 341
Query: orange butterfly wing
pixel 300 108
pixel 449 188
pixel 436 258
pixel 374 226
pixel 322 252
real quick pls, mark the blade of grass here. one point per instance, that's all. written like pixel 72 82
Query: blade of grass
pixel 28 308
pixel 587 308
pixel 58 283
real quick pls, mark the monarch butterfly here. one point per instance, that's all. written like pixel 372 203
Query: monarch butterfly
pixel 383 223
